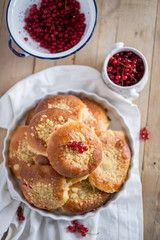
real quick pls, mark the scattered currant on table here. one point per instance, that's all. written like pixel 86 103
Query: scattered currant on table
pixel 125 68
pixel 77 146
pixel 57 25
pixel 26 39
pixel 76 227
pixel 20 214
pixel 144 134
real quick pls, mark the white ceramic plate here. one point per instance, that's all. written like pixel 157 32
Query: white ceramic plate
pixel 117 123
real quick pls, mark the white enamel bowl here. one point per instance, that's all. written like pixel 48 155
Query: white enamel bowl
pixel 117 123
pixel 17 11
pixel 130 92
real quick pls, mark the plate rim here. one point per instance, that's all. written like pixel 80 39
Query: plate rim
pixel 21 115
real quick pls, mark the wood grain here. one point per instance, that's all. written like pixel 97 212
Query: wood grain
pixel 2 136
pixel 151 168
pixel 2 3
pixel 107 30
pixel 136 29
pixel 87 55
pixel 12 67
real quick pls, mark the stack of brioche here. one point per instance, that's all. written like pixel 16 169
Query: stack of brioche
pixel 66 158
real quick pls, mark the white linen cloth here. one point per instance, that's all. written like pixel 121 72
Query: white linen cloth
pixel 123 218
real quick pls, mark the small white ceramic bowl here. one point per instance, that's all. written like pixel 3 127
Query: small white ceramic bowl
pixel 117 123
pixel 130 92
pixel 16 13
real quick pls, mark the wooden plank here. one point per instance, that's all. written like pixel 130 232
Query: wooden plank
pixel 151 170
pixel 136 28
pixel 43 64
pixel 13 68
pixel 87 55
pixel 2 136
pixel 108 24
pixel 66 61
pixel 2 3
pixel 94 53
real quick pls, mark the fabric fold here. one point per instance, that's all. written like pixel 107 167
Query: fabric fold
pixel 122 218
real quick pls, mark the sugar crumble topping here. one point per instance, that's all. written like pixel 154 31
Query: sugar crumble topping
pixel 111 163
pixel 61 105
pixel 75 156
pixel 45 128
pixel 88 118
pixel 23 152
pixel 84 191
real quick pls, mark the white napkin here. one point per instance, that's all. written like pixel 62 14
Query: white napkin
pixel 123 218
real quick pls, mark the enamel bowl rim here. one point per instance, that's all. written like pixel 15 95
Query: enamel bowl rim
pixel 55 56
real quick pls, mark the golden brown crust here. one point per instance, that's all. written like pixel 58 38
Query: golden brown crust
pixel 71 181
pixel 122 134
pixel 84 198
pixel 19 153
pixel 42 125
pixel 71 163
pixel 99 121
pixel 91 174
pixel 69 103
pixel 30 115
pixel 42 160
pixel 112 172
pixel 43 187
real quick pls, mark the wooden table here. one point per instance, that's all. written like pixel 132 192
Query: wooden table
pixel 137 24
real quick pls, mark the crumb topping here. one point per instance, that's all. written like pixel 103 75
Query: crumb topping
pixel 43 194
pixel 50 105
pixel 80 158
pixel 84 192
pixel 45 128
pixel 111 163
pixel 16 167
pixel 62 106
pixel 23 153
pixel 88 118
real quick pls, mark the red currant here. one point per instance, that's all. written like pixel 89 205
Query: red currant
pixel 124 78
pixel 74 222
pixel 118 77
pixel 85 148
pixel 123 63
pixel 80 144
pixel 75 144
pixel 74 148
pixel 71 229
pixel 144 134
pixel 20 214
pixel 59 18
pixel 83 234
pixel 80 150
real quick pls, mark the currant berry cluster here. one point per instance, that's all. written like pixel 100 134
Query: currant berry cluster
pixel 125 68
pixel 57 24
pixel 77 227
pixel 77 146
pixel 20 214
pixel 144 134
